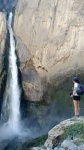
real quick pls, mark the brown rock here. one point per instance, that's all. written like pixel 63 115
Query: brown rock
pixel 2 36
pixel 53 33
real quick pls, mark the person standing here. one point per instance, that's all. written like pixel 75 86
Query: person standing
pixel 76 97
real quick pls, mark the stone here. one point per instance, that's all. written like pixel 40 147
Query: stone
pixel 55 134
pixel 37 148
pixel 49 148
pixel 59 148
pixel 69 145
pixel 81 147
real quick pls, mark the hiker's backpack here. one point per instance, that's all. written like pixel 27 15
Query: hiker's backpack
pixel 80 90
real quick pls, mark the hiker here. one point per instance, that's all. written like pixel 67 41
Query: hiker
pixel 76 97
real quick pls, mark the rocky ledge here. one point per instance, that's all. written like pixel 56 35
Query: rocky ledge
pixel 68 134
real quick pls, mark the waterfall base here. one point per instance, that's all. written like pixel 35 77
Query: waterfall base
pixel 9 132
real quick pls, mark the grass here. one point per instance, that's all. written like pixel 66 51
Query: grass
pixel 74 131
pixel 37 142
pixel 40 140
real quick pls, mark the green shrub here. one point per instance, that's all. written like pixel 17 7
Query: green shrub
pixel 39 141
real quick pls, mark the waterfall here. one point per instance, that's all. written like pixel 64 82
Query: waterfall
pixel 11 124
pixel 11 103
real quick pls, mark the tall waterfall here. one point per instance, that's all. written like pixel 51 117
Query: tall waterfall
pixel 11 124
pixel 11 103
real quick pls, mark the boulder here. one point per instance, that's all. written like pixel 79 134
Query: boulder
pixel 69 145
pixel 56 133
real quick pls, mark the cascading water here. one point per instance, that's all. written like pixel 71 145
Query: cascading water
pixel 11 104
pixel 11 124
pixel 14 97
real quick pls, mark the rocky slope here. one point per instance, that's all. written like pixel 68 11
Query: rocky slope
pixel 49 37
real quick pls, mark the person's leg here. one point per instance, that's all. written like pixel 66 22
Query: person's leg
pixel 76 107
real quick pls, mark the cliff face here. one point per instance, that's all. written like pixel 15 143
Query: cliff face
pixel 49 37
pixel 2 37
pixel 3 32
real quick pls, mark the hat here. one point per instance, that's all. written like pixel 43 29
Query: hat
pixel 75 78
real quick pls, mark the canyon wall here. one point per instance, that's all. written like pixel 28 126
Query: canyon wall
pixel 49 36
pixel 2 38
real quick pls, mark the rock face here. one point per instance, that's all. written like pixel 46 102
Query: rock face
pixel 2 37
pixel 50 34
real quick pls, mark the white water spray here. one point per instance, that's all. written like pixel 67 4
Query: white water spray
pixel 11 105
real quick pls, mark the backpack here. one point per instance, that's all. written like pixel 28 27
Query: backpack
pixel 80 90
